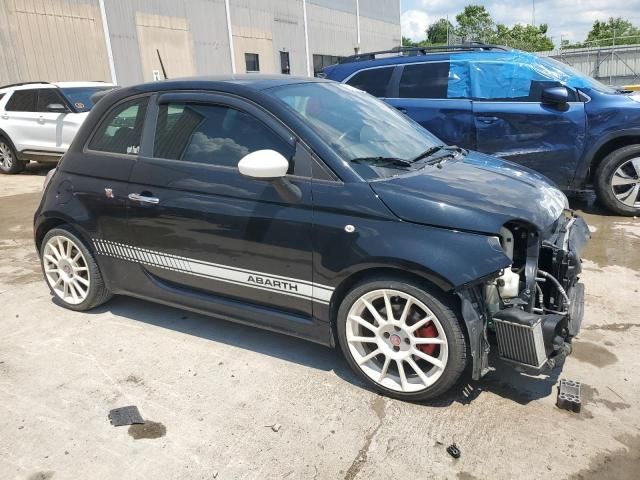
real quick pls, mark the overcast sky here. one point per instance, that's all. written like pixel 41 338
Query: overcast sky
pixel 569 19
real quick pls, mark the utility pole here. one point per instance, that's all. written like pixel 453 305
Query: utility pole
pixel 533 13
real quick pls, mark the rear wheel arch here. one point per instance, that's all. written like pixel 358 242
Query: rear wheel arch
pixel 55 222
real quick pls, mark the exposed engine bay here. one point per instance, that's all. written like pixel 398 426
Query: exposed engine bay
pixel 534 308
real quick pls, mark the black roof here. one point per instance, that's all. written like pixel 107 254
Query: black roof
pixel 251 81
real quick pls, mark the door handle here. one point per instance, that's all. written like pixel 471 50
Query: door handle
pixel 41 119
pixel 5 116
pixel 488 120
pixel 401 109
pixel 137 197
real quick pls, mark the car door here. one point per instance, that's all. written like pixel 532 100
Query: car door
pixel 513 123
pixel 50 125
pixel 20 119
pixel 95 180
pixel 429 93
pixel 200 227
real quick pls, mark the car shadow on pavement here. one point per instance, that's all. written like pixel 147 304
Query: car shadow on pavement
pixel 217 330
pixel 506 382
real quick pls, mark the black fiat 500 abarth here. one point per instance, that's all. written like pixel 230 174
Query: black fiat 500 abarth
pixel 311 208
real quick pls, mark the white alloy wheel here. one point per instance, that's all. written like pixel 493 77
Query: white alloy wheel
pixel 625 183
pixel 396 340
pixel 66 270
pixel 6 156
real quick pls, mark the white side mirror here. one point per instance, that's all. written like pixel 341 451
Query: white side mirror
pixel 263 164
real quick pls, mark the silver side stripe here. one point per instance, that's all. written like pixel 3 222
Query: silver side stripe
pixel 223 273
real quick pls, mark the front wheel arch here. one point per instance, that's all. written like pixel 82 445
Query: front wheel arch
pixel 389 271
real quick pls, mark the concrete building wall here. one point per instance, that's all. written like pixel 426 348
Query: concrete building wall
pixel 191 37
pixel 51 40
pixel 65 39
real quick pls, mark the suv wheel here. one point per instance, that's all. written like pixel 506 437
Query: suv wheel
pixel 405 340
pixel 71 271
pixel 617 181
pixel 9 162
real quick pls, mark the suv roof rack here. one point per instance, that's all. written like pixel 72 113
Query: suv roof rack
pixel 22 83
pixel 410 51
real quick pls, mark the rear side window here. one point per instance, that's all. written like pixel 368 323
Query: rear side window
pixel 373 81
pixel 121 129
pixel 48 96
pixel 212 134
pixel 22 101
pixel 424 80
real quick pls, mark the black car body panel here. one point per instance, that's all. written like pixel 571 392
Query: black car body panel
pixel 480 193
pixel 230 246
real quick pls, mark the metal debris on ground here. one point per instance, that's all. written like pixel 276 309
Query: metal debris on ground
pixel 569 395
pixel 125 416
pixel 453 450
pixel 275 427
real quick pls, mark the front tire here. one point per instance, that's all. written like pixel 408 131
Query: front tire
pixel 617 181
pixel 403 338
pixel 9 162
pixel 71 271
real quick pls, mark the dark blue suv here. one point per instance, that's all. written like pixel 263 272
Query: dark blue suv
pixel 532 110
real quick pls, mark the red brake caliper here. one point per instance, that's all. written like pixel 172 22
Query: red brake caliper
pixel 428 331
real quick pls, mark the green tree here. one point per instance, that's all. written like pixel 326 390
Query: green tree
pixel 475 23
pixel 621 31
pixel 407 42
pixel 438 32
pixel 531 38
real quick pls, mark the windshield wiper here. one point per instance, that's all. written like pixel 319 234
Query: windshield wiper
pixel 384 161
pixel 439 152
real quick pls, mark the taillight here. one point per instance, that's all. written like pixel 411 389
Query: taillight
pixel 48 178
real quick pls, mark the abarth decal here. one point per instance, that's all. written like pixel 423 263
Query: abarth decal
pixel 223 273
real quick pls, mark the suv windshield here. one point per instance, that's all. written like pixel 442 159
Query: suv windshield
pixel 574 78
pixel 80 97
pixel 375 137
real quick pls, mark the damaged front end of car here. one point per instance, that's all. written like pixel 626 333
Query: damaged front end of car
pixel 534 308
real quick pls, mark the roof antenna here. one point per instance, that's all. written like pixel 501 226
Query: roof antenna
pixel 164 72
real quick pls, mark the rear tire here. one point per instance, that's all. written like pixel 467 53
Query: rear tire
pixel 9 163
pixel 71 271
pixel 421 349
pixel 617 181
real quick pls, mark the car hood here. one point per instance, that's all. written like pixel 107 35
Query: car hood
pixel 480 193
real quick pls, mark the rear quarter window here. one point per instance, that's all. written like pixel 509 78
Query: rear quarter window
pixel 374 81
pixel 22 101
pixel 121 128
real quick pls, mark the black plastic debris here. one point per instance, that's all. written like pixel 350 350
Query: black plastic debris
pixel 125 416
pixel 453 450
pixel 569 395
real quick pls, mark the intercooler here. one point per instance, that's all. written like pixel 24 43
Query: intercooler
pixel 520 338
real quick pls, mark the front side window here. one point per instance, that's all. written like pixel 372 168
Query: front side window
pixel 424 80
pixel 121 129
pixel 356 125
pixel 212 134
pixel 252 62
pixel 46 97
pixel 22 101
pixel 373 81
pixel 80 97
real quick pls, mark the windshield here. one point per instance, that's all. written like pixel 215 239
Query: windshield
pixel 80 97
pixel 358 126
pixel 573 77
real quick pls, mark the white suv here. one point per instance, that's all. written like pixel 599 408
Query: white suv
pixel 38 120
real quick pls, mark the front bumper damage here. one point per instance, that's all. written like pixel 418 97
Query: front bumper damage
pixel 534 328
